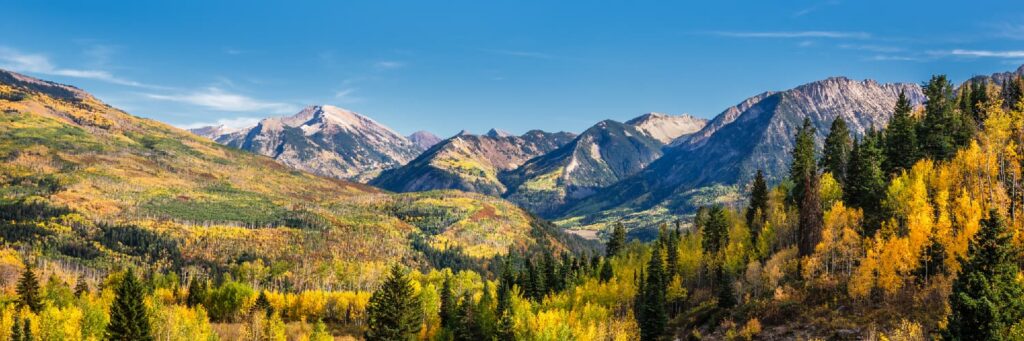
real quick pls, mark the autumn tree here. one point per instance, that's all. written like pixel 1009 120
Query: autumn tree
pixel 394 311
pixel 128 317
pixel 987 297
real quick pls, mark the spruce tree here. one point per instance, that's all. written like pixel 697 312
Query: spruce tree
pixel 723 286
pixel 758 204
pixel 866 186
pixel 616 241
pixel 26 331
pixel 128 317
pixel 503 310
pixel 448 305
pixel 394 311
pixel 672 254
pixel 715 231
pixel 932 261
pixel 1013 91
pixel 901 144
pixel 655 318
pixel 803 160
pixel 939 135
pixel 28 290
pixel 551 280
pixel 987 298
pixel 16 330
pixel 197 291
pixel 262 304
pixel 606 271
pixel 467 326
pixel 836 153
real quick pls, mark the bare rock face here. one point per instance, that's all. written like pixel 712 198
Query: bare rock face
pixel 666 128
pixel 470 162
pixel 755 134
pixel 325 140
pixel 424 139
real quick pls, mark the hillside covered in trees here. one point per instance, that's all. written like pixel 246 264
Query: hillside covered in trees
pixel 116 227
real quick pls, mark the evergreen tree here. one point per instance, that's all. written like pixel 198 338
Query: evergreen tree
pixel 616 241
pixel 803 160
pixel 551 280
pixel 716 229
pixel 262 304
pixel 26 331
pixel 448 306
pixel 128 318
pixel 672 254
pixel 394 311
pixel 654 317
pixel 486 318
pixel 467 326
pixel 901 144
pixel 836 153
pixel 1013 91
pixel 758 204
pixel 197 292
pixel 810 217
pixel 505 330
pixel 28 290
pixel 932 261
pixel 866 186
pixel 942 128
pixel 16 330
pixel 987 298
pixel 723 285
pixel 606 271
pixel 81 287
pixel 506 327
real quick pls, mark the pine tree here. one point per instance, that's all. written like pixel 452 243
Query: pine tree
pixel 26 331
pixel 1013 91
pixel 836 153
pixel 503 310
pixel 866 186
pixel 28 290
pixel 606 271
pixel 810 217
pixel 758 204
pixel 932 261
pixel 128 318
pixel 672 254
pixel 715 230
pixel 803 160
pixel 723 285
pixel 941 129
pixel 394 311
pixel 16 330
pixel 987 298
pixel 448 306
pixel 616 241
pixel 467 326
pixel 81 287
pixel 262 304
pixel 197 291
pixel 654 317
pixel 486 319
pixel 901 143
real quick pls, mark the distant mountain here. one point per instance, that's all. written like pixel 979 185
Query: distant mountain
pixel 470 162
pixel 1000 78
pixel 424 139
pixel 325 140
pixel 212 132
pixel 602 155
pixel 711 164
pixel 666 128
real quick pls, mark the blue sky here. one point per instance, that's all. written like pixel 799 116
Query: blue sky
pixel 515 65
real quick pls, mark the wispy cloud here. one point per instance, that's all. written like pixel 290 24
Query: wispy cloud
pixel 794 34
pixel 893 58
pixel 814 8
pixel 347 96
pixel 220 100
pixel 232 123
pixel 985 53
pixel 871 48
pixel 388 64
pixel 18 61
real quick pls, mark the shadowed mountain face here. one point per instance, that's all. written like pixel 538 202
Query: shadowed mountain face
pixel 325 140
pixel 600 156
pixel 755 134
pixel 470 162
pixel 424 139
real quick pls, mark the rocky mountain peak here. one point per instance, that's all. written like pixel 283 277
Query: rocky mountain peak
pixel 424 139
pixel 666 128
pixel 495 132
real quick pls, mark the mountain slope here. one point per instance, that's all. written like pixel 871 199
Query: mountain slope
pixel 324 140
pixel 470 162
pixel 756 134
pixel 85 182
pixel 598 157
pixel 424 139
